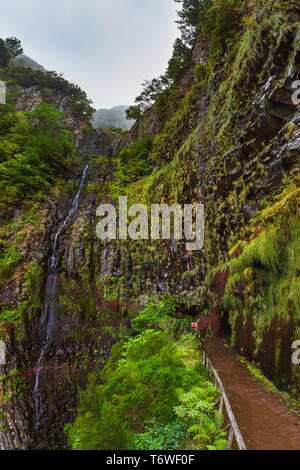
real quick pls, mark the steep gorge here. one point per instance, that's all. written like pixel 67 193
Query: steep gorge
pixel 229 139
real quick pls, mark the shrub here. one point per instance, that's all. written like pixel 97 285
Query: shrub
pixel 221 22
pixel 133 163
pixel 139 386
pixel 168 437
pixel 197 407
pixel 156 314
pixel 35 146
pixel 200 72
pixel 10 259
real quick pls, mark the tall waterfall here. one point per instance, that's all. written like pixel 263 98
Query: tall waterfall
pixel 49 318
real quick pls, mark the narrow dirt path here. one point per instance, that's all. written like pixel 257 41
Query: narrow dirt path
pixel 265 423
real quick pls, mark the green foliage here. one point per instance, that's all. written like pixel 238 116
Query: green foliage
pixel 9 260
pixel 139 386
pixel 27 77
pixel 100 431
pixel 133 112
pixel 14 45
pixel 190 17
pixel 10 314
pixel 197 407
pixel 151 90
pixel 139 382
pixel 264 279
pixel 156 315
pixel 12 384
pixel 32 283
pixel 133 163
pixel 179 61
pixel 5 55
pixel 200 72
pixel 168 437
pixel 250 42
pixel 220 23
pixel 34 147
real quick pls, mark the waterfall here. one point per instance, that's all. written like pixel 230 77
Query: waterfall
pixel 49 318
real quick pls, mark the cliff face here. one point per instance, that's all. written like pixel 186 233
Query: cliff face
pixel 230 141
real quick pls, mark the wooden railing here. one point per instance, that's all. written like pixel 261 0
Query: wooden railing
pixel 224 406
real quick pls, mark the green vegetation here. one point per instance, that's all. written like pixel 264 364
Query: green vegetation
pixel 133 163
pixel 14 45
pixel 190 17
pixel 209 146
pixel 170 436
pixel 27 77
pixel 197 408
pixel 11 385
pixel 250 40
pixel 34 147
pixel 10 258
pixel 262 291
pixel 158 315
pixel 221 23
pixel 142 400
pixel 267 270
pixel 5 55
pixel 162 90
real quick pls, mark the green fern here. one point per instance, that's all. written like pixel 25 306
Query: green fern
pixel 197 409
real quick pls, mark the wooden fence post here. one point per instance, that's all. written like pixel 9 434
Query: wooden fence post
pixel 230 438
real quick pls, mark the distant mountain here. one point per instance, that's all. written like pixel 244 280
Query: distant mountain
pixel 26 61
pixel 114 117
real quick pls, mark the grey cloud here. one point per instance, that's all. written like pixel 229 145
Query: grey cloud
pixel 106 47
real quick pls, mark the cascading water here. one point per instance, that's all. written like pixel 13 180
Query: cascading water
pixel 49 318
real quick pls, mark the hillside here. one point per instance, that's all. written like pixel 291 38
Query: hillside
pixel 220 128
pixel 113 118
pixel 24 60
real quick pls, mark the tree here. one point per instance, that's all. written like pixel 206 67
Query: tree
pixel 133 112
pixel 5 55
pixel 190 16
pixel 151 90
pixel 14 45
pixel 158 88
pixel 179 61
pixel 34 148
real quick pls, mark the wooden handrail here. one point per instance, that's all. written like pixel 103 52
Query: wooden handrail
pixel 234 431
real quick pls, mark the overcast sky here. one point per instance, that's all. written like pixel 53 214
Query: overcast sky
pixel 107 47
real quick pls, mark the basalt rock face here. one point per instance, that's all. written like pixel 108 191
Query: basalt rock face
pixel 31 97
pixel 98 140
pixel 232 143
pixel 80 342
pixel 239 154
